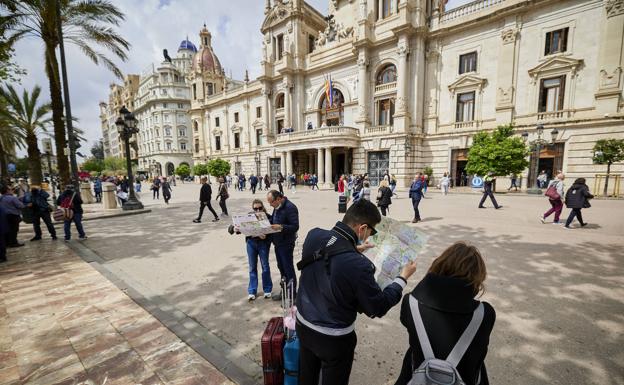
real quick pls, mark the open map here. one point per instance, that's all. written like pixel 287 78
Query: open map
pixel 396 244
pixel 253 224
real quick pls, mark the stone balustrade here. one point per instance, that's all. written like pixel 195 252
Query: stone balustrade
pixel 322 132
pixel 467 9
pixel 385 87
pixel 378 130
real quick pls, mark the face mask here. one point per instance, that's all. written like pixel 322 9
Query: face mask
pixel 359 241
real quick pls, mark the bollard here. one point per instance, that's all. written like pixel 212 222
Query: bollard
pixel 85 193
pixel 109 196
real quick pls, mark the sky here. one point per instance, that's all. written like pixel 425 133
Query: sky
pixel 151 26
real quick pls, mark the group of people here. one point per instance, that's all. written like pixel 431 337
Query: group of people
pixel 255 182
pixel 161 183
pixel 575 198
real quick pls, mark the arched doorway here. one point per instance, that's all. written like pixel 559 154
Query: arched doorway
pixel 170 168
pixel 332 112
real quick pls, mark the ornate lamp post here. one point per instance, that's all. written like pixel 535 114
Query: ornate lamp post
pixel 257 159
pixel 126 125
pixel 537 145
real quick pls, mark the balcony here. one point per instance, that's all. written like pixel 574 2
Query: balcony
pixel 466 125
pixel 327 135
pixel 378 130
pixel 385 88
pixel 468 9
pixel 554 115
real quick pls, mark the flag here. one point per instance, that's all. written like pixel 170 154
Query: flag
pixel 327 96
pixel 331 92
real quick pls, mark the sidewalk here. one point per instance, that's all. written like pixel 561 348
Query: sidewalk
pixel 61 322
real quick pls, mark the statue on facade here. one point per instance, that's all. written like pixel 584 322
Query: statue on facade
pixel 166 55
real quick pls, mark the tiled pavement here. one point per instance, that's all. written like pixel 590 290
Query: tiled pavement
pixel 62 322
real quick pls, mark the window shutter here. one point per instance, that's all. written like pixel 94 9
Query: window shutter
pixel 548 38
pixel 562 91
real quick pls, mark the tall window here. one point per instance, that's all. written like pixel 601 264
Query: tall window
pixel 236 117
pixel 194 91
pixel 386 112
pixel 182 132
pixel 236 140
pixel 387 74
pixel 280 126
pixel 258 137
pixel 279 103
pixel 168 146
pixel 183 146
pixel 551 94
pixel 280 47
pixel 196 145
pixel 217 121
pixel 332 113
pixel 468 62
pixel 209 89
pixel 258 112
pixel 166 118
pixel 386 8
pixel 311 40
pixel 218 143
pixel 195 126
pixel 167 131
pixel 465 107
pixel 556 41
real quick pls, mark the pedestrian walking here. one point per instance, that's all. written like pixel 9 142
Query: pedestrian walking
pixel 166 191
pixel 334 289
pixel 384 197
pixel 554 192
pixel 314 182
pixel 442 315
pixel 445 182
pixel 258 248
pixel 488 181
pixel 280 183
pixel 514 180
pixel 415 194
pixel 393 183
pixel 222 196
pixel 293 183
pixel 366 191
pixel 228 180
pixel 253 181
pixel 38 201
pixel 156 188
pixel 12 207
pixel 241 181
pixel 577 198
pixel 97 188
pixel 205 194
pixel 285 219
pixel 267 182
pixel 4 229
pixel 425 183
pixel 71 199
pixel 541 179
pixel 341 185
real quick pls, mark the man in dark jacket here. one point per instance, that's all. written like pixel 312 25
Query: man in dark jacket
pixel 488 181
pixel 337 282
pixel 4 229
pixel 41 211
pixel 285 219
pixel 253 181
pixel 205 194
pixel 577 198
pixel 415 193
pixel 73 200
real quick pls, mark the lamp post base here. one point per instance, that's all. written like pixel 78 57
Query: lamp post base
pixel 132 204
pixel 534 190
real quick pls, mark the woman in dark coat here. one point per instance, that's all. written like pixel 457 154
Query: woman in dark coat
pixel 384 197
pixel 446 299
pixel 267 182
pixel 577 198
pixel 166 191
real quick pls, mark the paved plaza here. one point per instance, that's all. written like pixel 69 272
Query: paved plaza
pixel 558 294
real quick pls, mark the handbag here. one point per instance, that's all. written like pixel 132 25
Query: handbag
pixel 552 193
pixel 64 213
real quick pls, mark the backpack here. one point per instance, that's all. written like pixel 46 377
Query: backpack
pixel 434 371
pixel 65 211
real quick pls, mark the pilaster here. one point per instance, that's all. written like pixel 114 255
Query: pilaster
pixel 506 77
pixel 609 93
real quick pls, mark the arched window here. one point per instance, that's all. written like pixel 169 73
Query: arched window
pixel 387 75
pixel 279 101
pixel 331 110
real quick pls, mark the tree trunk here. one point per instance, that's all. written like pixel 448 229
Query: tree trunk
pixel 604 193
pixel 34 159
pixel 56 99
pixel 4 172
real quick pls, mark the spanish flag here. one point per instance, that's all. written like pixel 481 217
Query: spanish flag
pixel 327 93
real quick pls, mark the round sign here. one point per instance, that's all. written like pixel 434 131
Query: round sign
pixel 476 182
pixel 11 167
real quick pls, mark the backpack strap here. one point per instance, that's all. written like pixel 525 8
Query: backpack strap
pixel 326 252
pixel 423 338
pixel 466 338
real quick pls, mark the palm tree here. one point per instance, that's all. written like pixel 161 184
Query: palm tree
pixel 86 23
pixel 9 140
pixel 28 116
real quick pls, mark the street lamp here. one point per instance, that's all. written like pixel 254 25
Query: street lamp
pixel 52 183
pixel 537 144
pixel 126 125
pixel 257 159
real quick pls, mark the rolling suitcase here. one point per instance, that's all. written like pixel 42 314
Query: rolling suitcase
pixel 272 352
pixel 291 347
pixel 342 204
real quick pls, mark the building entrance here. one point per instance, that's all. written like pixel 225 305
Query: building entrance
pixel 459 160
pixel 378 164
pixel 550 160
pixel 275 166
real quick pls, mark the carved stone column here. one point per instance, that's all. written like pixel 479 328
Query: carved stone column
pixel 506 82
pixel 283 163
pixel 401 115
pixel 609 91
pixel 320 166
pixel 288 123
pixel 266 92
pixel 363 87
pixel 328 167
pixel 289 163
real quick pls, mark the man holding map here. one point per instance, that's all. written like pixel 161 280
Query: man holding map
pixel 337 281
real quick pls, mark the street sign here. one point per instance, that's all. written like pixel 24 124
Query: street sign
pixel 477 182
pixel 11 168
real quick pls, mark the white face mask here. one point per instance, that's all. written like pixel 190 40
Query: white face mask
pixel 359 240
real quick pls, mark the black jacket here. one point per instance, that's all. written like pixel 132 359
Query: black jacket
pixel 205 194
pixel 386 196
pixel 578 197
pixel 286 215
pixel 76 203
pixel 446 307
pixel 333 300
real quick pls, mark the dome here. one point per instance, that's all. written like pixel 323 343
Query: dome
pixel 206 60
pixel 187 44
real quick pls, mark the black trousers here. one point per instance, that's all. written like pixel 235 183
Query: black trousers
pixel 37 217
pixel 155 193
pixel 488 194
pixel 3 247
pixel 11 236
pixel 201 210
pixel 281 188
pixel 415 203
pixel 574 213
pixel 329 357
pixel 383 210
pixel 253 188
pixel 223 206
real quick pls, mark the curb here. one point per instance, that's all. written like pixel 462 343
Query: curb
pixel 233 364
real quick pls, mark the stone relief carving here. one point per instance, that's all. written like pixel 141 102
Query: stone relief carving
pixel 362 111
pixel 361 62
pixel 333 32
pixel 610 80
pixel 504 96
pixel 614 7
pixel 402 49
pixel 509 35
pixel 401 104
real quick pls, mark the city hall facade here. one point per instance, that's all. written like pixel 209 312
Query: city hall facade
pixel 411 84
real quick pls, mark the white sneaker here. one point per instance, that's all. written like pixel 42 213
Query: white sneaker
pixel 541 218
pixel 251 297
pixel 557 223
pixel 267 295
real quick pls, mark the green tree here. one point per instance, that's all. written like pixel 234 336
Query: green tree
pixel 498 151
pixel 608 151
pixel 97 150
pixel 114 164
pixel 9 140
pixel 27 115
pixel 200 169
pixel 93 165
pixel 183 171
pixel 218 167
pixel 88 24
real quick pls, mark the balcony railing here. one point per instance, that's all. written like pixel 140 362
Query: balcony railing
pixel 469 124
pixel 467 9
pixel 321 132
pixel 385 87
pixel 378 130
pixel 555 115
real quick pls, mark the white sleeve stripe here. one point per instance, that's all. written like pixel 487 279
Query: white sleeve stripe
pixel 401 282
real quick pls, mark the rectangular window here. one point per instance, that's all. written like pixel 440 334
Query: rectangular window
pixel 182 132
pixel 180 105
pixel 386 112
pixel 551 94
pixel 468 62
pixel 236 117
pixel 556 41
pixel 210 88
pixel 196 145
pixel 168 144
pixel 465 107
pixel 311 40
pixel 280 47
pixel 166 118
pixel 194 91
pixel 183 146
pixel 280 126
pixel 164 105
pixel 236 140
pixel 386 9
pixel 217 143
pixel 217 122
pixel 259 137
pixel 258 112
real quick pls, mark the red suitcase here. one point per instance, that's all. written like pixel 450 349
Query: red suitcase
pixel 272 352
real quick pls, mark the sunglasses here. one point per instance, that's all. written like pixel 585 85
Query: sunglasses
pixel 373 231
pixel 258 208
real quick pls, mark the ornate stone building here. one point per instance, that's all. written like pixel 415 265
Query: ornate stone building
pixel 119 96
pixel 412 83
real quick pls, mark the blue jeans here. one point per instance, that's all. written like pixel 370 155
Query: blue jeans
pixel 284 255
pixel 77 219
pixel 259 248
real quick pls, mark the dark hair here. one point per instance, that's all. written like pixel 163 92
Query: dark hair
pixel 362 212
pixel 4 189
pixel 258 202
pixel 461 260
pixel 579 181
pixel 276 194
